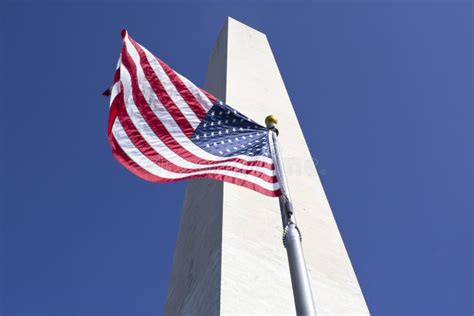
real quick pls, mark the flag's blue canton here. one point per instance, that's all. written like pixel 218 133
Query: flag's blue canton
pixel 226 132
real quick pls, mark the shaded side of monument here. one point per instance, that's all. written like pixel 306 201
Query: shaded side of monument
pixel 229 255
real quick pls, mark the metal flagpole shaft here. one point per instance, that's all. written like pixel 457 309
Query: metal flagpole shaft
pixel 291 235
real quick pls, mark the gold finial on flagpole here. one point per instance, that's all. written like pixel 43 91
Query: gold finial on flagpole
pixel 271 120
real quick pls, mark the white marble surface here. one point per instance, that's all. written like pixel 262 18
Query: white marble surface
pixel 243 268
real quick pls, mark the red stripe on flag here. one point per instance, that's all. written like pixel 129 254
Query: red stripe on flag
pixel 141 144
pixel 113 111
pixel 133 167
pixel 211 98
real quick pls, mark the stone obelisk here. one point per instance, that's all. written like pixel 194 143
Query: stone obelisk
pixel 229 256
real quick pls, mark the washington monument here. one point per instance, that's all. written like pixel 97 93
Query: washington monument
pixel 229 256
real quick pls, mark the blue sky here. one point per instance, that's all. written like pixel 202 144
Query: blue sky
pixel 383 91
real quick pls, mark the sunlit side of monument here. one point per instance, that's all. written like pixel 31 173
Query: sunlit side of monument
pixel 229 256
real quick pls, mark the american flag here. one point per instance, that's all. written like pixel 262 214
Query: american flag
pixel 163 128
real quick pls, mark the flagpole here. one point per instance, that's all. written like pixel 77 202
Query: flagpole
pixel 291 234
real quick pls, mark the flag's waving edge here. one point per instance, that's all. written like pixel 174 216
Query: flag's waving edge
pixel 163 128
